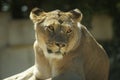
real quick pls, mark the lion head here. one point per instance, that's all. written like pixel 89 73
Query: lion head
pixel 57 32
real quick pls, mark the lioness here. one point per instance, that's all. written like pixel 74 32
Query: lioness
pixel 64 49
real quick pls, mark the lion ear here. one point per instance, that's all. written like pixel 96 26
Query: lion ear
pixel 76 14
pixel 35 13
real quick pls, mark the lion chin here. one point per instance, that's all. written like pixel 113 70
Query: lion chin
pixel 58 54
pixel 54 55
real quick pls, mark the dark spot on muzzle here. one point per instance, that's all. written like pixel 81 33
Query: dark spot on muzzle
pixel 49 51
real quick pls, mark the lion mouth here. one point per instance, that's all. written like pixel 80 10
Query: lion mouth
pixel 56 52
pixel 49 51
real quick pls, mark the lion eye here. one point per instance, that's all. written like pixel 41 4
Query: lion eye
pixel 69 31
pixel 50 28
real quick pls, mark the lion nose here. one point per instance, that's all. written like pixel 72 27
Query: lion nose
pixel 60 44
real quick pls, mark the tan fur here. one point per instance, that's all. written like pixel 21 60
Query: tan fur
pixel 59 55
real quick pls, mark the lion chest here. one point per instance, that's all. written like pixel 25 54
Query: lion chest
pixel 48 67
pixel 55 66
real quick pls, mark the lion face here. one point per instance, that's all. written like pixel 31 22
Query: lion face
pixel 57 32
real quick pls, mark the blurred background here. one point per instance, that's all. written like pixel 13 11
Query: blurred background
pixel 102 18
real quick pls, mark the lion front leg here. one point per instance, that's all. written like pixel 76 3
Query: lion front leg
pixel 26 75
pixel 69 76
